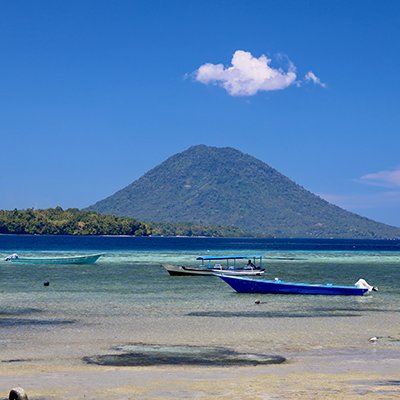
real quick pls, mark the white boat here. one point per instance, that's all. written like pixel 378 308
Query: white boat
pixel 211 265
pixel 86 259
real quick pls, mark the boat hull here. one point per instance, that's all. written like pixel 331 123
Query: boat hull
pixel 180 270
pixel 90 259
pixel 243 285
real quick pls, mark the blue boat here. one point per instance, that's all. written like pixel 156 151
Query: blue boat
pixel 247 285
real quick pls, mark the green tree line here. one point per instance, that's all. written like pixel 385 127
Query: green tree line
pixel 72 221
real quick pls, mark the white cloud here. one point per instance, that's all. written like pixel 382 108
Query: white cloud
pixel 382 206
pixel 382 178
pixel 354 202
pixel 247 76
pixel 311 77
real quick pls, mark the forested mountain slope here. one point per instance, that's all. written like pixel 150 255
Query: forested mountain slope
pixel 223 186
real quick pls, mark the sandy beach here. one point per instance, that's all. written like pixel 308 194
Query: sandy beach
pixel 49 364
pixel 372 374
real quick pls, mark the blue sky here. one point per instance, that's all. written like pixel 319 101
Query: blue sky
pixel 95 93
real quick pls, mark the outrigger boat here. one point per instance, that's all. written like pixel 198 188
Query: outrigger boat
pixel 246 285
pixel 87 259
pixel 211 265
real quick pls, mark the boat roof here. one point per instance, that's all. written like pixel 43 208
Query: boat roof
pixel 233 257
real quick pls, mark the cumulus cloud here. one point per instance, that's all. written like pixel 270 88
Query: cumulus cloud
pixel 311 77
pixel 247 75
pixel 383 178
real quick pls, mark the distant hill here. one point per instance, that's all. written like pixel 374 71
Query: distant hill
pixel 223 186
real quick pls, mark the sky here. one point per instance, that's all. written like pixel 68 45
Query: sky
pixel 95 93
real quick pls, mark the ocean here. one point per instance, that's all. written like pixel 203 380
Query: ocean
pixel 127 303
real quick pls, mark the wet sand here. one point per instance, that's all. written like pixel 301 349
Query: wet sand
pixel 326 358
pixel 323 374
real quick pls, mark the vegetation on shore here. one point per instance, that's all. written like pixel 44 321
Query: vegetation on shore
pixel 56 221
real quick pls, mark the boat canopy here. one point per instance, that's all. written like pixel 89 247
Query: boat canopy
pixel 238 257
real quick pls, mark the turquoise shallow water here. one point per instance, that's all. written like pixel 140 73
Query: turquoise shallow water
pixel 127 297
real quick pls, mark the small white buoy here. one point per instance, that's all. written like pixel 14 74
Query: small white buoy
pixel 17 393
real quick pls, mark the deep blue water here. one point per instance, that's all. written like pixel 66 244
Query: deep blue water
pixel 111 243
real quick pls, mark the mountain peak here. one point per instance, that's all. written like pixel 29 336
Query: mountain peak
pixel 223 186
